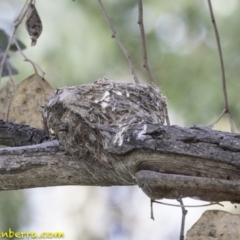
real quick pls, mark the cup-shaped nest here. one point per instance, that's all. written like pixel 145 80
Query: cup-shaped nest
pixel 83 117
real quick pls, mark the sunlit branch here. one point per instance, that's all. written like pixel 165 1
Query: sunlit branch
pixel 119 42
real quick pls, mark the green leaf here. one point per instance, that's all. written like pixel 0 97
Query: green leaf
pixel 4 42
pixel 8 68
pixel 14 48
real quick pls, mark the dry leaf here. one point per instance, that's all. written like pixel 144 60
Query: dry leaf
pixel 216 224
pixel 26 104
pixel 33 23
pixel 6 94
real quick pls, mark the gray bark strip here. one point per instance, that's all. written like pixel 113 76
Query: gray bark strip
pixel 195 162
pixel 159 185
pixel 12 134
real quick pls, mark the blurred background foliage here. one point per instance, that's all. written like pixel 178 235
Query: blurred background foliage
pixel 13 212
pixel 76 47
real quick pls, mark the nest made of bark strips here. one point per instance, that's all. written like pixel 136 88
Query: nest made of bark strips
pixel 85 118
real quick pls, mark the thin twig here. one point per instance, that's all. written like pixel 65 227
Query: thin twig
pixel 6 53
pixel 135 78
pixel 151 207
pixel 218 119
pixel 35 65
pixel 144 46
pixel 144 49
pixel 9 70
pixel 230 122
pixel 167 118
pixel 202 205
pixel 220 54
pixel 22 11
pixel 18 22
pixel 224 85
pixel 184 213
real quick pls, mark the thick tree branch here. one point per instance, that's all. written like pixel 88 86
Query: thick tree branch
pixel 165 161
pixel 112 133
pixel 14 135
pixel 47 164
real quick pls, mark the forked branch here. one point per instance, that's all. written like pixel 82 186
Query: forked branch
pixel 12 39
pixel 17 23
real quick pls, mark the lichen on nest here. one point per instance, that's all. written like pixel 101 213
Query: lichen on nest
pixel 84 116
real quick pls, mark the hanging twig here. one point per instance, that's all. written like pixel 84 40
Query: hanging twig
pixel 135 78
pixel 201 205
pixel 35 65
pixel 151 207
pixel 184 213
pixel 17 23
pixel 226 106
pixel 144 46
pixel 12 39
pixel 20 16
pixel 144 49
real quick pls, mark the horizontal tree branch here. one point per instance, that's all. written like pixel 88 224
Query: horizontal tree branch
pixel 47 164
pixel 12 134
pixel 158 185
pixel 165 161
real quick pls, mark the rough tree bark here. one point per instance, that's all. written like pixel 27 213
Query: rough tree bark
pixel 165 161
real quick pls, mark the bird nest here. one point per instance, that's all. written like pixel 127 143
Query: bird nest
pixel 85 118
